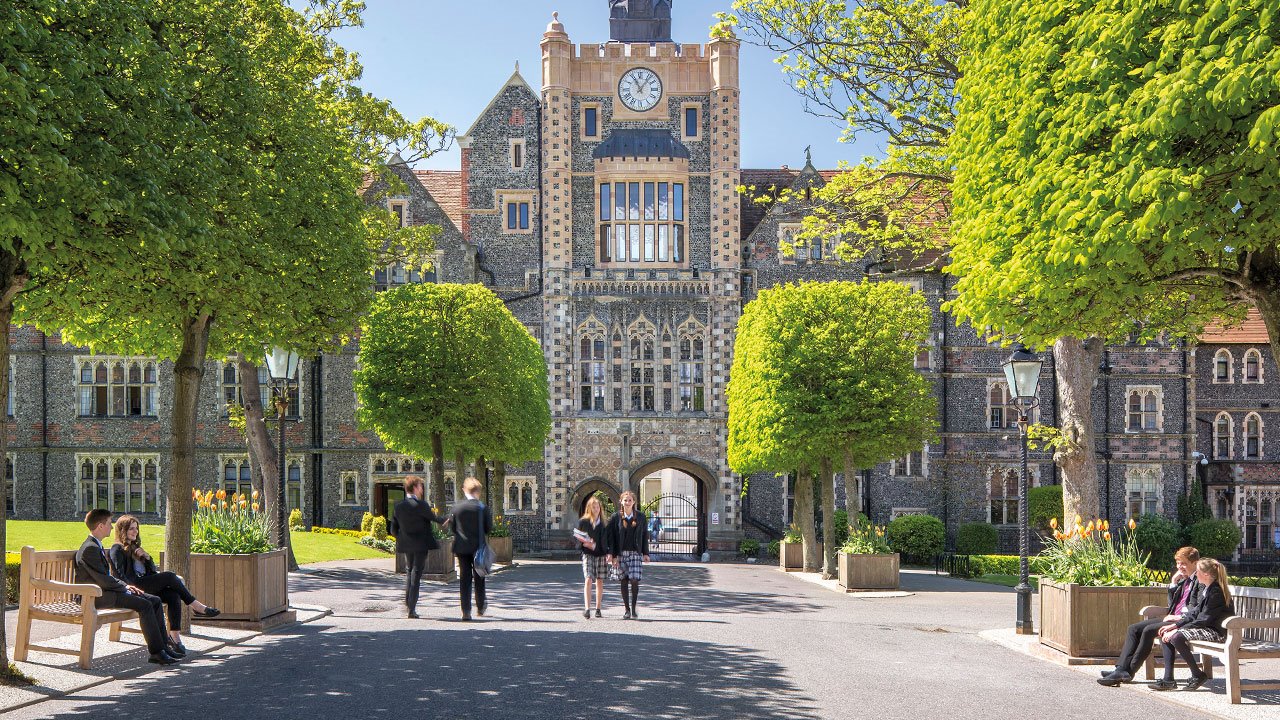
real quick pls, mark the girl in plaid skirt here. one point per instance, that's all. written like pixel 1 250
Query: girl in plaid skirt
pixel 628 537
pixel 595 567
pixel 1199 621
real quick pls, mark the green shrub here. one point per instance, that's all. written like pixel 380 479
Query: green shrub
pixel 916 537
pixel 1214 538
pixel 1262 582
pixel 366 523
pixel 793 535
pixel 1043 504
pixel 337 531
pixel 501 528
pixel 384 545
pixel 977 538
pixel 749 548
pixel 841 520
pixel 773 549
pixel 378 528
pixel 1192 508
pixel 295 519
pixel 1158 536
pixel 12 576
pixel 1003 565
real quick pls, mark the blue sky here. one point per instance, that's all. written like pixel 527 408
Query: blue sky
pixel 447 59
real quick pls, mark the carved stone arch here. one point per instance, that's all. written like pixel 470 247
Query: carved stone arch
pixel 592 325
pixel 703 478
pixel 578 501
pixel 642 326
pixel 693 326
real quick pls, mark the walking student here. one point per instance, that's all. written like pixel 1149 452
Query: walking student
pixel 472 524
pixel 628 538
pixel 411 527
pixel 1202 621
pixel 595 566
pixel 93 567
pixel 134 566
pixel 1184 590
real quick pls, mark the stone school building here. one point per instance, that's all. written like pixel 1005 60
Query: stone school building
pixel 602 206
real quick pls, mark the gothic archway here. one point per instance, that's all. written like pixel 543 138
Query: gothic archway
pixel 684 509
pixel 578 503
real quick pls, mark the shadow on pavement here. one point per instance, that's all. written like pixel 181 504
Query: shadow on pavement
pixel 469 674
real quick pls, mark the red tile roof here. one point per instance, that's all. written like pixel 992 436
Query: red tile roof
pixel 445 187
pixel 1250 332
pixel 765 182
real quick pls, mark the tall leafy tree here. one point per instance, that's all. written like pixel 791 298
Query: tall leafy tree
pixel 449 366
pixel 1117 168
pixel 267 150
pixel 824 369
pixel 895 68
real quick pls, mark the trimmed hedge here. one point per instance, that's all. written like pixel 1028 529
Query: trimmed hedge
pixel 338 531
pixel 1000 565
pixel 1214 538
pixel 12 576
pixel 1043 504
pixel 977 538
pixel 1159 536
pixel 918 538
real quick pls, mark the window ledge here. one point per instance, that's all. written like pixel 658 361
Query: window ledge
pixel 116 417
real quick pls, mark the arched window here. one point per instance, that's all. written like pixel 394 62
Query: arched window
pixel 1142 490
pixel 1002 410
pixel 591 375
pixel 293 485
pixel 232 392
pixel 1222 436
pixel 1144 409
pixel 1002 494
pixel 117 387
pixel 1252 366
pixel 119 483
pixel 1252 436
pixel 513 497
pixel 526 497
pixel 1222 366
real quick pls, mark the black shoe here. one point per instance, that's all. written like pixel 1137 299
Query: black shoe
pixel 209 612
pixel 481 610
pixel 162 658
pixel 586 613
pixel 1164 685
pixel 1104 673
pixel 598 613
pixel 635 613
pixel 176 650
pixel 1196 682
pixel 466 618
pixel 627 614
pixel 412 615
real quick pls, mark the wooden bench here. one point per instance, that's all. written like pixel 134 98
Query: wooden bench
pixel 1253 633
pixel 49 592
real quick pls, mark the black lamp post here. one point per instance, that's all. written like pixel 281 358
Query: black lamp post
pixel 282 364
pixel 1022 372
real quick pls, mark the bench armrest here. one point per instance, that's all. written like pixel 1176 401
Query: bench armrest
pixel 1243 623
pixel 82 589
pixel 1153 611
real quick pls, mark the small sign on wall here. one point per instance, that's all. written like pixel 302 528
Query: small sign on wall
pixel 1277 537
pixel 715 520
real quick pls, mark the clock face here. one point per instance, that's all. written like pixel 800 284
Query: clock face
pixel 640 89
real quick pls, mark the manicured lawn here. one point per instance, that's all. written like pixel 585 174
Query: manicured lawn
pixel 307 547
pixel 1007 580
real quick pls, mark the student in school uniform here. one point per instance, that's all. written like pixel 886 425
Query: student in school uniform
pixel 628 538
pixel 595 566
pixel 1201 621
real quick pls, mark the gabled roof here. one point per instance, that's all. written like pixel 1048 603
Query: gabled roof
pixel 767 183
pixel 445 187
pixel 516 80
pixel 1253 331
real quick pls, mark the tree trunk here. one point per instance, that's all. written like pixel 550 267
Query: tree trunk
pixel 262 452
pixel 827 482
pixel 852 499
pixel 479 475
pixel 804 518
pixel 437 471
pixel 11 285
pixel 1075 364
pixel 188 370
pixel 1264 270
pixel 499 494
pixel 459 473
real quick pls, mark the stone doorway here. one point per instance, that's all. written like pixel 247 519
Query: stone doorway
pixel 676 490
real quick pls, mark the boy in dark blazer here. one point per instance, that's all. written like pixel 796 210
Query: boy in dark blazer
pixel 472 523
pixel 411 526
pixel 92 567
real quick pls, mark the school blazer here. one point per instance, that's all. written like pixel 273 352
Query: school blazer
pixel 91 568
pixel 472 521
pixel 122 565
pixel 635 539
pixel 411 526
pixel 1210 612
pixel 597 534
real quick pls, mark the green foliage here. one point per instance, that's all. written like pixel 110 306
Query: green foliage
pixel 1214 538
pixel 841 520
pixel 1089 556
pixel 1262 582
pixel 1044 504
pixel 12 576
pixel 977 538
pixel 1191 506
pixel 917 537
pixel 295 520
pixel 792 535
pixel 749 548
pixel 821 368
pixel 451 360
pixel 501 528
pixel 866 539
pixel 378 528
pixel 342 531
pixel 773 549
pixel 366 523
pixel 385 544
pixel 1116 166
pixel 228 525
pixel 1158 536
pixel 980 565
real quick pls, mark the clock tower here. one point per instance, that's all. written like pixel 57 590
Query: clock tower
pixel 641 262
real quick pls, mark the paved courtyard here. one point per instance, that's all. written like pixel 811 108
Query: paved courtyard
pixel 716 642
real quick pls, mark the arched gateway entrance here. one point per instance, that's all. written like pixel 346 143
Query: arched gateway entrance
pixel 675 489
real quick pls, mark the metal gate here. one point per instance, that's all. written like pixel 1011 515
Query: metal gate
pixel 675 526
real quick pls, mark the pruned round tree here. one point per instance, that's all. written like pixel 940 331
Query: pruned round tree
pixel 821 370
pixel 449 366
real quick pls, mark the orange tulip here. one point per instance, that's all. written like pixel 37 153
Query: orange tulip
pixel 1106 535
pixel 1106 524
pixel 1089 527
pixel 1132 524
pixel 255 507
pixel 222 494
pixel 223 504
pixel 255 494
pixel 1079 520
pixel 1054 523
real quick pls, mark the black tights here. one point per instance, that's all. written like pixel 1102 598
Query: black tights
pixel 1180 644
pixel 630 599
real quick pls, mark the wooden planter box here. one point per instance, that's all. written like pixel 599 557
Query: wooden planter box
pixel 439 562
pixel 243 587
pixel 868 572
pixel 791 556
pixel 1091 621
pixel 502 550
